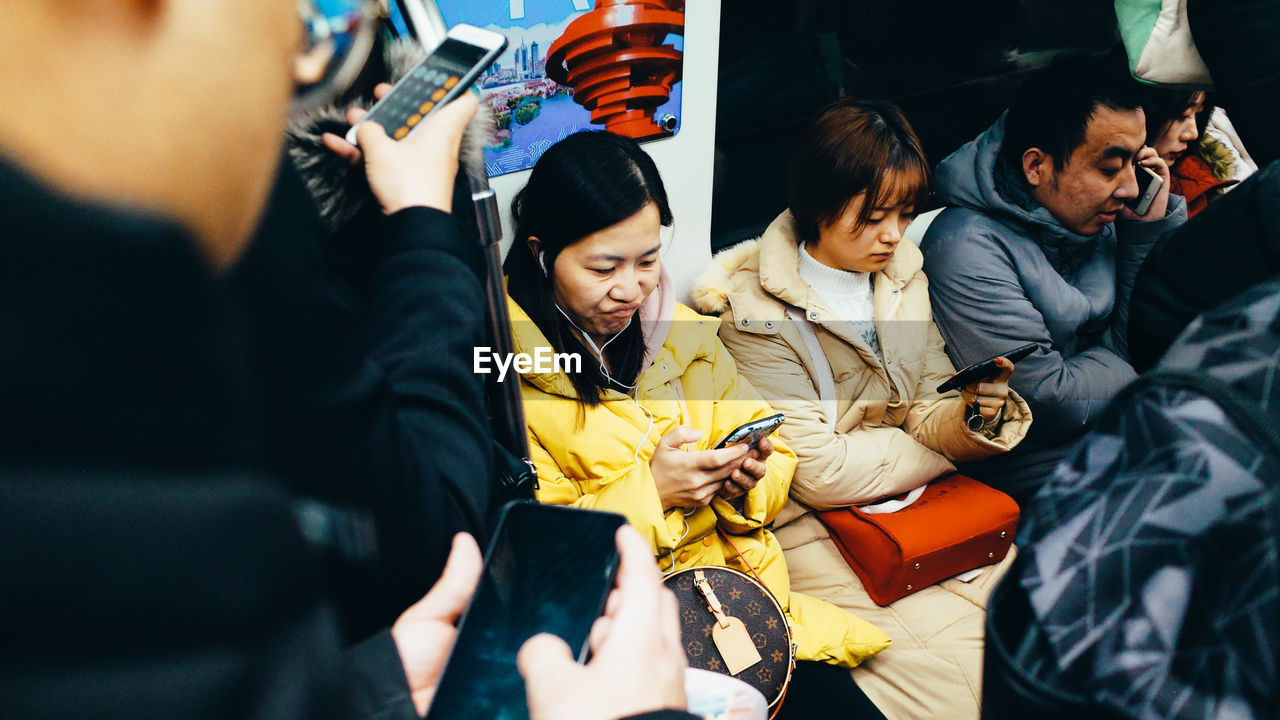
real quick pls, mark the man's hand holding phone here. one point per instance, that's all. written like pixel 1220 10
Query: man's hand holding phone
pixel 424 633
pixel 985 399
pixel 418 170
pixel 984 386
pixel 637 663
pixel 1148 158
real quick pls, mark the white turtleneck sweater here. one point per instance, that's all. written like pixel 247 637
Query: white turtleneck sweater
pixel 847 293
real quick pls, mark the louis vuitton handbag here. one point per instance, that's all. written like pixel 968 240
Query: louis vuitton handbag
pixel 732 624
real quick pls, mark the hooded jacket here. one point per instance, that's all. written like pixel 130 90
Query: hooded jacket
pixel 892 431
pixel 598 457
pixel 1004 272
pixel 1203 174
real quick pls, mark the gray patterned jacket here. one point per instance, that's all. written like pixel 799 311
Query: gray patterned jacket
pixel 1150 562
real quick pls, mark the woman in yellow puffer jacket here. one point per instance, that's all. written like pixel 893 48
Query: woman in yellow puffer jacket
pixel 632 430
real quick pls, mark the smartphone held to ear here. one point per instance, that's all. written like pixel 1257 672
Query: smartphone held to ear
pixel 442 76
pixel 550 568
pixel 1149 183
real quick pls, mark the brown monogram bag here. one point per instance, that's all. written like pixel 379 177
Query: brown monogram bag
pixel 731 623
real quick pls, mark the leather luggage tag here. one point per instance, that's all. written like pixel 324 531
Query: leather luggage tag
pixel 728 633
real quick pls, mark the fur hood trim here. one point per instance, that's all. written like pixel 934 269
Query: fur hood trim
pixel 1217 155
pixel 340 190
pixel 710 293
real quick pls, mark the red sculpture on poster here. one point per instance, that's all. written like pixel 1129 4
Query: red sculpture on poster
pixel 613 59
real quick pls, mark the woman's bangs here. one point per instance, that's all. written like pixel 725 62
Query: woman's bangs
pixel 906 185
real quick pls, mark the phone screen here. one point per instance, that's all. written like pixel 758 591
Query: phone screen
pixel 439 78
pixel 456 56
pixel 752 432
pixel 549 569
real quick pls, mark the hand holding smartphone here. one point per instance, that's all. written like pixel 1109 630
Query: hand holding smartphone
pixel 752 432
pixel 549 569
pixel 444 74
pixel 986 369
pixel 1149 183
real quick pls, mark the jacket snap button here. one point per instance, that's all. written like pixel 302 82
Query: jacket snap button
pixel 813 315
pixel 917 566
pixel 684 556
pixel 745 322
pixel 1003 533
pixel 664 367
pixel 908 587
pixel 991 554
pixel 895 291
pixel 768 323
pixel 706 541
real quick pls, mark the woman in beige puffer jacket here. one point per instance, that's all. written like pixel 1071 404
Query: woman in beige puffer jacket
pixel 892 432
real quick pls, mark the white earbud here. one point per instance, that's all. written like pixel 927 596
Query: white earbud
pixel 599 351
pixel 542 261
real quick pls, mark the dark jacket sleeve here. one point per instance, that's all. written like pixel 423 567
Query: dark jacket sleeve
pixel 982 310
pixel 364 340
pixel 1233 244
pixel 427 448
pixel 1136 239
pixel 374 686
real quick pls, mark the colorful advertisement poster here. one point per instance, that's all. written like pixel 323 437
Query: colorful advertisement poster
pixel 571 65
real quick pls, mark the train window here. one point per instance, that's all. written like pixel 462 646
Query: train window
pixel 952 68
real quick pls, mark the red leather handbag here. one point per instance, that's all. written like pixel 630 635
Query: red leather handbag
pixel 957 524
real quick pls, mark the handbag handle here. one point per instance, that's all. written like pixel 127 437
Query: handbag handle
pixel 754 574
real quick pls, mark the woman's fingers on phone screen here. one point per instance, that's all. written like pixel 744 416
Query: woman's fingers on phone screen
pixel 381 89
pixel 724 459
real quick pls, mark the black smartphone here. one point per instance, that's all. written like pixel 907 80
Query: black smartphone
pixel 1149 183
pixel 986 369
pixel 751 433
pixel 444 74
pixel 549 569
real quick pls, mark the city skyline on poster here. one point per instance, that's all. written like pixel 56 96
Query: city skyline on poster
pixel 531 111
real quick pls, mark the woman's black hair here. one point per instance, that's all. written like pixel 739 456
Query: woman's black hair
pixel 1163 105
pixel 585 183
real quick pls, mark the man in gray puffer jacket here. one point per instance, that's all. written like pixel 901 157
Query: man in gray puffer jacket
pixel 1037 246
